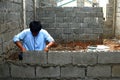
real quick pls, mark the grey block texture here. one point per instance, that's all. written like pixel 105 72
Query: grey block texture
pixel 35 57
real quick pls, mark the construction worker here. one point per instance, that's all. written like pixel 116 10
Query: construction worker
pixel 34 38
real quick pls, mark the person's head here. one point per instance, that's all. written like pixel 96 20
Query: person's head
pixel 35 27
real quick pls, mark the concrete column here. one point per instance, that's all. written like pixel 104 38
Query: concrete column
pixel 117 26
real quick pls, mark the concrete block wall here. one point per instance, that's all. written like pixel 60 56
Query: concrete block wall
pixel 10 22
pixel 72 23
pixel 30 12
pixel 108 23
pixel 63 65
pixel 117 28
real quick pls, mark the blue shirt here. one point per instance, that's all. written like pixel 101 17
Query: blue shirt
pixel 31 42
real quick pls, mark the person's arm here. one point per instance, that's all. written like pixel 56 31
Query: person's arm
pixel 18 38
pixel 50 44
pixel 19 44
pixel 49 39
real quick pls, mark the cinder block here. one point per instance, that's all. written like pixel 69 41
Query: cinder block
pixel 106 57
pixel 12 16
pixel 35 57
pixel 4 70
pixel 67 19
pixel 59 19
pixel 48 25
pixel 84 25
pixel 68 37
pixel 67 31
pixel 93 37
pixel 70 14
pixel 84 58
pixel 76 37
pixel 97 30
pixel 76 31
pixel 81 30
pixel 51 31
pixel 3 28
pixel 60 14
pixel 49 20
pixel 68 8
pixel 99 71
pixel 7 36
pixel 80 20
pixel 90 20
pixel 87 9
pixel 93 14
pixel 59 58
pixel 116 71
pixel 97 9
pixel 72 71
pixel 6 46
pixel 19 71
pixel 45 72
pixel 13 26
pixel 99 14
pixel 75 25
pixel 63 25
pixel 80 14
pixel 84 36
pixel 88 30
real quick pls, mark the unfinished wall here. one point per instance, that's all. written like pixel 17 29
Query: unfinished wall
pixel 108 24
pixel 111 27
pixel 10 22
pixel 72 23
pixel 63 66
pixel 117 26
pixel 29 11
pixel 31 8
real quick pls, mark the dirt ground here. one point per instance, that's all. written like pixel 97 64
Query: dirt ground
pixel 113 44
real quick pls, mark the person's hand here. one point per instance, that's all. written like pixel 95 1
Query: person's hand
pixel 23 49
pixel 46 49
pixel 19 44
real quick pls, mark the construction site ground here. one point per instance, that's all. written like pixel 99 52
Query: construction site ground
pixel 113 44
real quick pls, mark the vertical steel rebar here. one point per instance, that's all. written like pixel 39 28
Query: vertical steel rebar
pixel 34 9
pixel 114 17
pixel 24 13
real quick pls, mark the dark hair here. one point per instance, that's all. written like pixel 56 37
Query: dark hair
pixel 35 26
